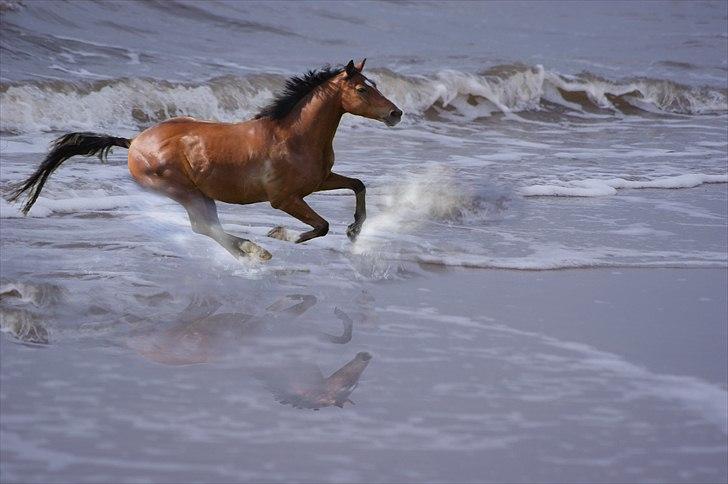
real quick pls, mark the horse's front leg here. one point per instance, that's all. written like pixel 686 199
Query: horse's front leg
pixel 336 182
pixel 296 207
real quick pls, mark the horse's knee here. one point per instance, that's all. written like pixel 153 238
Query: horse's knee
pixel 200 228
pixel 319 230
pixel 203 218
pixel 322 229
pixel 358 186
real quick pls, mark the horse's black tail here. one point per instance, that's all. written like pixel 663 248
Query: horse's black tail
pixel 63 148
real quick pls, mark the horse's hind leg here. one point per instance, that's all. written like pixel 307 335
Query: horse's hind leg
pixel 203 218
pixel 166 177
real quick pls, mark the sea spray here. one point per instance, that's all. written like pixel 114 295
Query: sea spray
pixel 437 195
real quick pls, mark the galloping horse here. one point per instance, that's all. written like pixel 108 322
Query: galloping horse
pixel 282 155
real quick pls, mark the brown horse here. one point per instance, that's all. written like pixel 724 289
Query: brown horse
pixel 282 155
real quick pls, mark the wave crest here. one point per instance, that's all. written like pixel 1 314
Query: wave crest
pixel 33 106
pixel 597 188
pixel 517 88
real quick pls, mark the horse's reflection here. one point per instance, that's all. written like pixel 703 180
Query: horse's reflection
pixel 17 321
pixel 23 326
pixel 306 387
pixel 201 335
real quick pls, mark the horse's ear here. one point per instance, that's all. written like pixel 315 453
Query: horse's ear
pixel 351 70
pixel 360 67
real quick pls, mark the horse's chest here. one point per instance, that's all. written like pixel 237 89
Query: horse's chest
pixel 309 172
pixel 328 162
pixel 324 169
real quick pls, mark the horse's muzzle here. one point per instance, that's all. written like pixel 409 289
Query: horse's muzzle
pixel 393 118
pixel 364 356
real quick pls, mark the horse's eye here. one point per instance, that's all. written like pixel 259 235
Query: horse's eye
pixel 361 89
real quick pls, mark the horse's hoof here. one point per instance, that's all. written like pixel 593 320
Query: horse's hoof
pixel 254 250
pixel 279 233
pixel 352 231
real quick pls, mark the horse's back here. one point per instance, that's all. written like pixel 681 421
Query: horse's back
pixel 214 158
pixel 179 126
pixel 179 119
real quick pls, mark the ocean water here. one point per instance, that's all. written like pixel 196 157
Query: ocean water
pixel 540 283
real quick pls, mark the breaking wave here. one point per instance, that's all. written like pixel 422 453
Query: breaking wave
pixel 592 187
pixel 448 95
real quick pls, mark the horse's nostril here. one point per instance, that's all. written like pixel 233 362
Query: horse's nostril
pixel 396 113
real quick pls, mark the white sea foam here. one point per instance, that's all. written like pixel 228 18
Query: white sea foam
pixel 8 210
pixel 566 259
pixel 593 187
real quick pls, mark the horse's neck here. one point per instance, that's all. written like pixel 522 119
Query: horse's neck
pixel 318 120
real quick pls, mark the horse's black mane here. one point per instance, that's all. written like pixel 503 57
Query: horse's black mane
pixel 295 89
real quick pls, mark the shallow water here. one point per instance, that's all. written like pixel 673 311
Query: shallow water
pixel 536 138
pixel 467 381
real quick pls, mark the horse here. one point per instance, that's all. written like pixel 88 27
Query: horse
pixel 280 156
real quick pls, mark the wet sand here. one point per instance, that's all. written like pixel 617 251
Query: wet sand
pixel 476 375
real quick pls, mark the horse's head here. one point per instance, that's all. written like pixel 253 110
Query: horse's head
pixel 361 97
